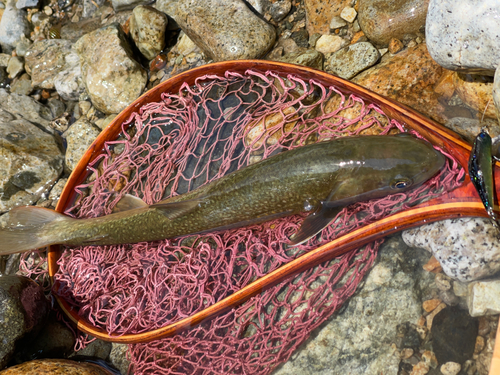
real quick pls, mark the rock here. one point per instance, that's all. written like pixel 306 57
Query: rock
pixel 31 163
pixel 169 7
pixel 69 81
pixel 4 59
pixel 56 106
pixel 260 6
pixel 15 67
pixel 467 248
pixel 23 309
pixel 13 26
pixel 75 30
pixel 23 4
pixel 280 9
pixel 22 46
pixel 45 59
pixel 349 14
pixel 469 128
pixel 351 60
pixel 476 93
pixel 118 357
pixel 464 35
pixel 21 86
pixel 112 77
pixel 119 5
pixel 320 12
pixel 309 57
pixel 97 349
pixel 450 368
pixel 395 45
pixel 90 7
pixel 228 31
pixel 484 298
pixel 185 46
pixel 430 318
pixel 25 107
pixel 408 77
pixel 454 335
pixel 329 43
pixel 337 22
pixel 147 28
pixel 55 367
pixel 431 304
pixel 359 339
pixel 79 136
pixel 301 38
pixel 382 20
pixel 420 368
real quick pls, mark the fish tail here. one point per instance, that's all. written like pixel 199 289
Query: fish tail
pixel 30 228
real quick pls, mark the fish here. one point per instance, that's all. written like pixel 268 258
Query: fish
pixel 481 173
pixel 320 179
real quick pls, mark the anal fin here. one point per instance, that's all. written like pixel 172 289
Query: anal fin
pixel 314 223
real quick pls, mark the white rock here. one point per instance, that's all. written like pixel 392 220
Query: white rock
pixel 69 82
pixel 349 14
pixel 329 43
pixel 185 46
pixel 466 248
pixel 464 34
pixel 484 298
pixel 451 368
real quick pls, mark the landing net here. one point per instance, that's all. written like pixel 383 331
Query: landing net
pixel 186 140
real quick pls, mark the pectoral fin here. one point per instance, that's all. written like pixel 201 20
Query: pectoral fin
pixel 314 223
pixel 176 209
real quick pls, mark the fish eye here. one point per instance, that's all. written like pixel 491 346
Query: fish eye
pixel 401 183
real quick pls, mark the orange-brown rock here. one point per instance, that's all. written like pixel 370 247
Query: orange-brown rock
pixel 55 367
pixel 319 13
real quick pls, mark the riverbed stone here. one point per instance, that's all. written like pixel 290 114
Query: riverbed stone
pixel 351 60
pixel 329 43
pixel 119 5
pixel 55 367
pixel 464 35
pixel 476 92
pixel 484 297
pixel 225 31
pixel 79 137
pixel 308 57
pixel 23 309
pixel 45 59
pixel 111 75
pixel 31 163
pixel 118 357
pixel 382 20
pixel 466 248
pixel 469 128
pixel 319 13
pixel 408 77
pixel 26 107
pixel 69 81
pixel 13 26
pixel 22 85
pixel 15 67
pixel 147 28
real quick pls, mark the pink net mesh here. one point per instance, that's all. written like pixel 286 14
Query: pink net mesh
pixel 191 138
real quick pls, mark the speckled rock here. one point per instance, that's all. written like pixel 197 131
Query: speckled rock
pixel 382 20
pixel 319 13
pixel 464 35
pixel 23 308
pixel 45 59
pixel 450 368
pixel 469 128
pixel 112 77
pixel 79 136
pixel 69 81
pixel 31 162
pixel 329 43
pixel 483 298
pixel 225 31
pixel 118 357
pixel 476 92
pixel 353 59
pixel 25 107
pixel 359 339
pixel 468 248
pixel 13 26
pixel 55 367
pixel 147 28
pixel 309 57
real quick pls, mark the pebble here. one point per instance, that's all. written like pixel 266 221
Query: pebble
pixel 480 344
pixel 13 26
pixel 431 304
pixel 349 61
pixel 429 318
pixel 147 28
pixel 432 265
pixel 382 20
pixel 69 81
pixel 337 22
pixel 421 368
pixel 120 5
pixel 467 248
pixel 56 106
pixel 15 67
pixel 23 4
pixel 22 46
pixel 484 298
pixel 464 35
pixel 450 368
pixel 395 45
pixel 319 13
pixel 112 78
pixel 79 137
pixel 4 59
pixel 185 46
pixel 329 43
pixel 309 57
pixel 280 9
pixel 225 32
pixel 55 367
pixel 429 358
pixel 22 85
pixel 23 106
pixel 476 93
pixel 348 14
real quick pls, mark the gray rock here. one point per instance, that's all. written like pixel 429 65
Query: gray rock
pixel 90 7
pixel 359 339
pixel 225 31
pixel 22 85
pixel 112 77
pixel 4 59
pixel 467 249
pixel 79 136
pixel 119 5
pixel 13 26
pixel 69 81
pixel 464 35
pixel 23 4
pixel 97 349
pixel 309 57
pixel 25 107
pixel 45 59
pixel 147 28
pixel 56 106
pixel 351 60
pixel 23 308
pixel 469 128
pixel 22 46
pixel 118 357
pixel 337 22
pixel 31 163
pixel 15 67
pixel 280 9
pixel 483 298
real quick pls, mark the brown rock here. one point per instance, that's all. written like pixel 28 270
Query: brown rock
pixel 445 87
pixel 480 344
pixel 55 367
pixel 319 13
pixel 431 304
pixel 476 92
pixel 432 265
pixel 408 77
pixel 395 45
pixel 431 316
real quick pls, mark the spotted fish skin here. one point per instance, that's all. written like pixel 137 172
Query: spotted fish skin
pixel 320 178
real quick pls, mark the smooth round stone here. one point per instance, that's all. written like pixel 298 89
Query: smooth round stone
pixel 464 35
pixel 476 93
pixel 382 20
pixel 119 5
pixel 225 30
pixel 55 367
pixel 353 59
pixel 147 28
pixel 79 137
pixel 329 43
pixel 319 13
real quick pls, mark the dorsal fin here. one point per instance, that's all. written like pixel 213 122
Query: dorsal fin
pixel 129 202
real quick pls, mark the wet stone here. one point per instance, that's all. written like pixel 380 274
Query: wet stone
pixel 353 59
pixel 69 81
pixel 23 4
pixel 337 22
pixel 382 20
pixel 309 57
pixel 228 31
pixel 118 357
pixel 13 26
pixel 119 5
pixel 22 46
pixel 280 9
pixel 147 28
pixel 469 128
pixel 476 92
pixel 25 107
pixel 4 59
pixel 329 43
pixel 79 137
pixel 56 106
pixel 301 38
pixel 320 12
pixel 450 368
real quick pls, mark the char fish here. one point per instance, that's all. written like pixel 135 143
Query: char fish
pixel 320 178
